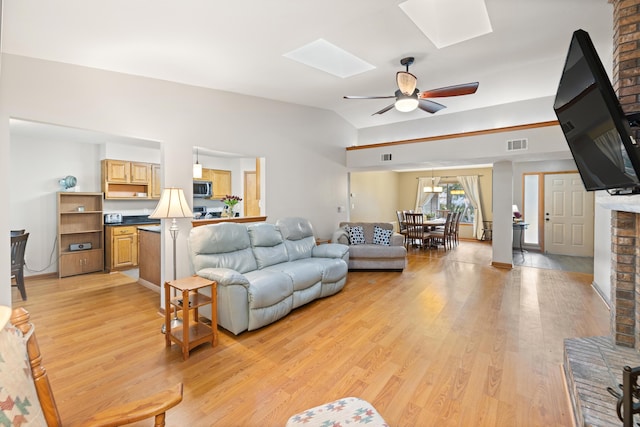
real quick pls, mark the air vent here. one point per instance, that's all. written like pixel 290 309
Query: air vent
pixel 385 157
pixel 517 144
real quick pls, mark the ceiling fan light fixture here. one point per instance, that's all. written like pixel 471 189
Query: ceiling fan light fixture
pixel 406 82
pixel 406 104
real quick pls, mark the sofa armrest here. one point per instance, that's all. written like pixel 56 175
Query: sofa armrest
pixel 397 239
pixel 224 276
pixel 330 250
pixel 340 236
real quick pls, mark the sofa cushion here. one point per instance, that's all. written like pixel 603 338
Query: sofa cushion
pixel 356 235
pixel 267 287
pixel 368 228
pixel 376 252
pixel 298 237
pixel 221 245
pixel 268 245
pixel 381 236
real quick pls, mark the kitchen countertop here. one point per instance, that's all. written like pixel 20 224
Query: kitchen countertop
pixel 197 222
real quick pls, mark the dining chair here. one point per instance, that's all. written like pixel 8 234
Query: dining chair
pixel 402 226
pixel 18 246
pixel 442 236
pixel 487 230
pixel 17 232
pixel 416 231
pixel 456 229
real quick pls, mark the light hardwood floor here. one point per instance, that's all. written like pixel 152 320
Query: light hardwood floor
pixel 451 341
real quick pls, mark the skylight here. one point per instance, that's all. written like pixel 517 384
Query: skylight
pixel 329 58
pixel 447 22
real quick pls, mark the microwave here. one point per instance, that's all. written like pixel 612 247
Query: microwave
pixel 202 189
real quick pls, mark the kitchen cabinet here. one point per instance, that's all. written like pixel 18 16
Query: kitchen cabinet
pixel 156 189
pixel 121 244
pixel 221 180
pixel 122 179
pixel 80 233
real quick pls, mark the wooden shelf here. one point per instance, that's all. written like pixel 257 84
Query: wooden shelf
pixel 80 221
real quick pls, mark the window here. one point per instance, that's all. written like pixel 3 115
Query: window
pixel 451 199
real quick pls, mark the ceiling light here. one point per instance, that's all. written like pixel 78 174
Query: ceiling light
pixel 197 167
pixel 406 103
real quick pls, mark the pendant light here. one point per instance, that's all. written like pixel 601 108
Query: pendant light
pixel 432 188
pixel 197 167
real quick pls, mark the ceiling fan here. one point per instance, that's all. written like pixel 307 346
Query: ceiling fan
pixel 408 97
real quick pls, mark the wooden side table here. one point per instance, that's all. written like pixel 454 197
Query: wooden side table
pixel 191 333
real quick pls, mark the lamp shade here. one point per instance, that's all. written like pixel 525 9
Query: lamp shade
pixel 514 208
pixel 172 205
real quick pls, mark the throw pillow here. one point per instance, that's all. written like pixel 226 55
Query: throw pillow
pixel 381 236
pixel 356 235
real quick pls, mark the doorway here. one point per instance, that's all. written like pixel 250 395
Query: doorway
pixel 568 215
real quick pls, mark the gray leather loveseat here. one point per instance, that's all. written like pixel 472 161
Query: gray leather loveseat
pixel 264 270
pixel 374 247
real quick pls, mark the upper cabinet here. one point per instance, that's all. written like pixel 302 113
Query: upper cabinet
pixel 221 180
pixel 123 179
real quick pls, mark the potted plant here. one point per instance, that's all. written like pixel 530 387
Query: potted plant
pixel 231 202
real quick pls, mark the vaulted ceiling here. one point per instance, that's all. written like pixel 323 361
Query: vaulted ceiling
pixel 239 46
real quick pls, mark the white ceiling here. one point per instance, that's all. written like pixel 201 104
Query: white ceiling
pixel 238 46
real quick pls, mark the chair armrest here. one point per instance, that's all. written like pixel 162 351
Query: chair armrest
pixel 330 250
pixel 224 276
pixel 152 406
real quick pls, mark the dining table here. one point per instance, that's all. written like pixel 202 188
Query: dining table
pixel 430 224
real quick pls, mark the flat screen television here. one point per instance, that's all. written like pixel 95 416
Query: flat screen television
pixel 593 123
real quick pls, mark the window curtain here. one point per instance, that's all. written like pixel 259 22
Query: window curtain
pixel 472 191
pixel 421 196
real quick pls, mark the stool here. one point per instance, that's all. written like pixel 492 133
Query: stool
pixel 342 412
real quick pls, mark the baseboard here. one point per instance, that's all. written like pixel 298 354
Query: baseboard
pixel 572 410
pixel 502 265
pixel 149 285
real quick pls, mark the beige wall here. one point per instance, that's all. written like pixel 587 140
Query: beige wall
pixel 374 196
pixel 377 195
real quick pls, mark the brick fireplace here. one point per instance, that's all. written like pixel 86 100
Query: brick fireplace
pixel 593 364
pixel 625 278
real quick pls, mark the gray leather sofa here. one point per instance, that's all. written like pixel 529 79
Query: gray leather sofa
pixel 264 270
pixel 367 255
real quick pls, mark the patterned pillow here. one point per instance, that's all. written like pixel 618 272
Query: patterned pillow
pixel 356 235
pixel 21 406
pixel 381 236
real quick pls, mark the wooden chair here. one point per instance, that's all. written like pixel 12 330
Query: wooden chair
pixel 18 246
pixel 402 226
pixel 416 230
pixel 443 236
pixel 154 406
pixel 456 228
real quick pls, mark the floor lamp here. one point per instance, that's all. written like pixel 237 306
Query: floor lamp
pixel 172 205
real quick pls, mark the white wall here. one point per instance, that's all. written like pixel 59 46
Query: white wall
pixel 502 214
pixel 602 249
pixel 303 147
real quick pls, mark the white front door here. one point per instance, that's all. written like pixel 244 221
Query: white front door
pixel 568 216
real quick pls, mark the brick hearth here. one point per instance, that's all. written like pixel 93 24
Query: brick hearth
pixel 591 365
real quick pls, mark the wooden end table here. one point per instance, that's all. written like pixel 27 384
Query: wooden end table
pixel 191 333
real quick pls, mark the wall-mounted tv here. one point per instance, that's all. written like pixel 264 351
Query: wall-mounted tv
pixel 593 123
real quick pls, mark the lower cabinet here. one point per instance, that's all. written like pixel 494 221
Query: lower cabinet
pixel 72 263
pixel 121 244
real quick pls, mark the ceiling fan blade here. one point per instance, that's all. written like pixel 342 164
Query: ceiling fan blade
pixel 430 106
pixel 456 90
pixel 368 97
pixel 384 110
